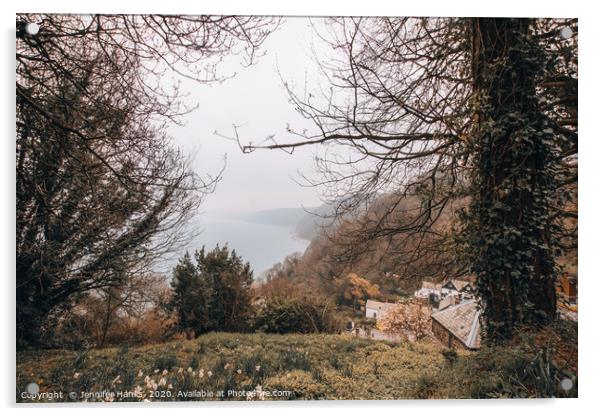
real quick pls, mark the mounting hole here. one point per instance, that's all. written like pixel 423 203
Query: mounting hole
pixel 566 384
pixel 32 28
pixel 566 32
pixel 32 388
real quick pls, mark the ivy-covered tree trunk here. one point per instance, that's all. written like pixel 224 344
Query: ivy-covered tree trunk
pixel 509 227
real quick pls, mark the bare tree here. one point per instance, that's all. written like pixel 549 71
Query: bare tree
pixel 101 192
pixel 402 117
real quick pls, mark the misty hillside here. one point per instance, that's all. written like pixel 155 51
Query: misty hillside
pixel 285 217
pixel 306 221
pixel 315 219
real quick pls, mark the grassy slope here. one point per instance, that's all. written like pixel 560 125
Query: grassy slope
pixel 310 366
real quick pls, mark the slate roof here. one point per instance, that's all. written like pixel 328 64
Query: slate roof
pixel 462 321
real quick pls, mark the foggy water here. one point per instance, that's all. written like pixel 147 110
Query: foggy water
pixel 262 245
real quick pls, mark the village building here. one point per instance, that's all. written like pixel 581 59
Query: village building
pixel 377 310
pixel 441 296
pixel 458 326
pixel 463 287
pixel 428 289
pixel 447 301
pixel 566 287
pixel 457 286
pixel 566 297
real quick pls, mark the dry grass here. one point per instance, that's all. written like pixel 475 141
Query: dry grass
pixel 266 367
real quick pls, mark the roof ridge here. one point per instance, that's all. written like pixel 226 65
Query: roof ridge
pixel 469 340
pixel 454 307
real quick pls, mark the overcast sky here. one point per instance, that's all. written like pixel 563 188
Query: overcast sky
pixel 255 99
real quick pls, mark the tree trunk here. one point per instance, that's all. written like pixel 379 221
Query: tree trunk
pixel 513 250
pixel 106 324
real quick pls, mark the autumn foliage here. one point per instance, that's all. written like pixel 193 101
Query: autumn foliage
pixel 353 290
pixel 411 318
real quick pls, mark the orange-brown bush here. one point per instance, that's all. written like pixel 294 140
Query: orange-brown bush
pixel 132 314
pixel 410 318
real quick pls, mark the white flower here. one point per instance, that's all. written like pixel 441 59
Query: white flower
pixel 170 386
pixel 156 371
pixel 152 385
pixel 209 373
pixel 164 372
pixel 257 367
pixel 140 373
pixel 259 393
pixel 239 371
pixel 226 366
pixel 76 375
pixel 201 373
pixel 189 369
pixel 180 370
pixel 146 379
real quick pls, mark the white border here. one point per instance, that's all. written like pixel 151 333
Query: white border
pixel 590 201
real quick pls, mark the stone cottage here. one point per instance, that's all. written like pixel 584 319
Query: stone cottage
pixel 376 310
pixel 458 326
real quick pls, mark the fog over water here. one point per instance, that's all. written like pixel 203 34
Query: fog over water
pixel 260 244
pixel 256 101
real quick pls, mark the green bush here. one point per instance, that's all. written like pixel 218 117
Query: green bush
pixel 281 316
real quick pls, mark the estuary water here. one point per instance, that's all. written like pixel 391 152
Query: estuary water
pixel 262 245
